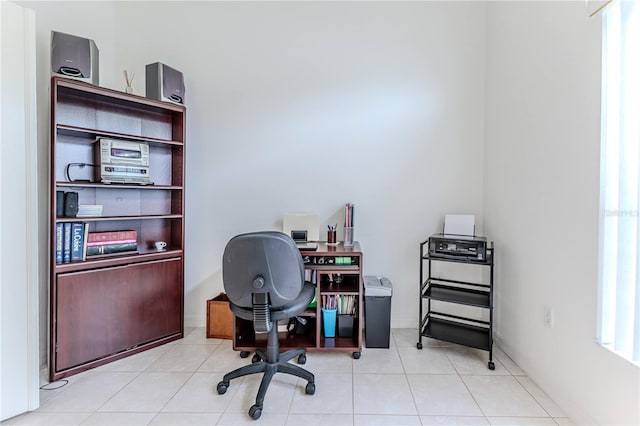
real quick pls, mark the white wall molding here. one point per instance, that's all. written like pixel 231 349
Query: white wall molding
pixel 19 385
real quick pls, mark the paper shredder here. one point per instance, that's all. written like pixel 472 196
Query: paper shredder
pixel 377 311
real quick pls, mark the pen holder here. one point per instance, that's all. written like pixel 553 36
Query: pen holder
pixel 329 322
pixel 331 236
pixel 348 236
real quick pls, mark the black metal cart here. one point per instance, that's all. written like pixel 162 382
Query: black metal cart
pixel 455 328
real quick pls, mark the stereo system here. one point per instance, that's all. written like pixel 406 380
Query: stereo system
pixel 458 247
pixel 119 161
pixel 74 57
pixel 164 83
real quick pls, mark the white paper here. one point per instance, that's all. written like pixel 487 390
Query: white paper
pixel 460 224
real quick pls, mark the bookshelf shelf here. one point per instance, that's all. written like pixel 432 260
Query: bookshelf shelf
pixel 111 306
pixel 117 186
pixel 113 218
pixel 85 133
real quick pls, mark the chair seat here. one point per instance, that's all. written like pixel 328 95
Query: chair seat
pixel 296 307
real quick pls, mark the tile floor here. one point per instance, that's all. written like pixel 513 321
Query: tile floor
pixel 176 384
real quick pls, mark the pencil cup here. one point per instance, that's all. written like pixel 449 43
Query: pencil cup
pixel 331 236
pixel 348 236
pixel 329 322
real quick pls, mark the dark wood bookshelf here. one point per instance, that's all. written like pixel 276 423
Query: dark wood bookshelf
pixel 108 307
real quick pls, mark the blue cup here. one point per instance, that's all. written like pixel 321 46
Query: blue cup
pixel 329 322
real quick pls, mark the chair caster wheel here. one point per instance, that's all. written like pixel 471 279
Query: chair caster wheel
pixel 244 354
pixel 255 411
pixel 302 359
pixel 419 346
pixel 255 358
pixel 310 389
pixel 356 355
pixel 222 387
pixel 492 366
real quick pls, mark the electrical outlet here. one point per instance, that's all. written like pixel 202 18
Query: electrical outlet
pixel 548 316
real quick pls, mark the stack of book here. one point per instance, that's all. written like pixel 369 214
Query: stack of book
pixel 112 242
pixel 74 242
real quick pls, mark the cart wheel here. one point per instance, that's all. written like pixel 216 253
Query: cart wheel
pixel 222 387
pixel 302 359
pixel 419 345
pixel 310 389
pixel 492 366
pixel 244 354
pixel 255 411
pixel 255 358
pixel 356 355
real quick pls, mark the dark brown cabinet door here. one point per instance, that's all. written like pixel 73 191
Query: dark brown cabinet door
pixel 106 311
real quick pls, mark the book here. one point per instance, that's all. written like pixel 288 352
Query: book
pixel 105 243
pixel 77 240
pixel 85 241
pixel 112 236
pixel 66 243
pixel 111 248
pixel 59 242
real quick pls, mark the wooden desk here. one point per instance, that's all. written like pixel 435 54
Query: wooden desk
pixel 337 272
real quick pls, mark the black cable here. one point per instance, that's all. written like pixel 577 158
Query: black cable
pixel 43 387
pixel 80 165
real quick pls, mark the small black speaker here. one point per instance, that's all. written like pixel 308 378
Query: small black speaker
pixel 74 57
pixel 71 204
pixel 59 203
pixel 164 83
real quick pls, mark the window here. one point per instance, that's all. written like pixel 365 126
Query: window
pixel 619 296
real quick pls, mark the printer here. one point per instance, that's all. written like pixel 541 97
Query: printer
pixel 460 247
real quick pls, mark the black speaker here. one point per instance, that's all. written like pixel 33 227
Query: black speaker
pixel 164 83
pixel 74 57
pixel 59 203
pixel 70 204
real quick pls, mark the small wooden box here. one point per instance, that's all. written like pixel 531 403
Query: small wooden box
pixel 219 317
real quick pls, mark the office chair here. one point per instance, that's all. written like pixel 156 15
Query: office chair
pixel 263 277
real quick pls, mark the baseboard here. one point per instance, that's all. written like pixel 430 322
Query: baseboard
pixel 195 321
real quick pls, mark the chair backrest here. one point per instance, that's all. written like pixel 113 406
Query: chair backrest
pixel 262 262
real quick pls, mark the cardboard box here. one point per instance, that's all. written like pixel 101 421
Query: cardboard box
pixel 219 318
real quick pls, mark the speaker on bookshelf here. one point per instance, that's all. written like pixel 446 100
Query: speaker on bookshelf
pixel 164 83
pixel 59 203
pixel 74 57
pixel 71 204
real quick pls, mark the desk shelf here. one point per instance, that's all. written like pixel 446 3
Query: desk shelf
pixel 324 276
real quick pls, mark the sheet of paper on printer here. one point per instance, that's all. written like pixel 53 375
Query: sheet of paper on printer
pixel 460 224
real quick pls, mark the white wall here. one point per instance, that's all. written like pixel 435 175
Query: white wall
pixel 18 216
pixel 305 106
pixel 541 204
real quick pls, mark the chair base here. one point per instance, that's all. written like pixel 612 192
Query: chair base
pixel 270 362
